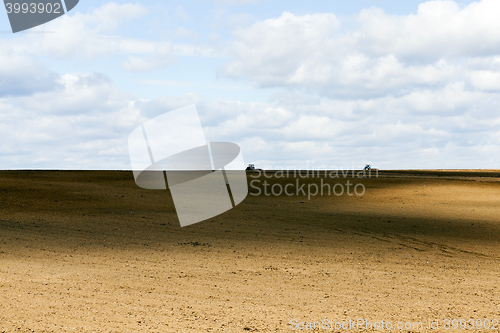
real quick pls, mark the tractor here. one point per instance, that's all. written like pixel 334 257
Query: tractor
pixel 251 167
pixel 368 168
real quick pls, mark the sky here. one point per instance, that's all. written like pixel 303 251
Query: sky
pixel 296 84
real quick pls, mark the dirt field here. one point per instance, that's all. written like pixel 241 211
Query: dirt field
pixel 89 251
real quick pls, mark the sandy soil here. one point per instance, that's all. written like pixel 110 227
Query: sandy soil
pixel 89 251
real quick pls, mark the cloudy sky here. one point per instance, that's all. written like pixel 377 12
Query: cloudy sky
pixel 336 84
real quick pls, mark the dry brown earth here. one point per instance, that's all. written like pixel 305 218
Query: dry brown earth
pixel 89 251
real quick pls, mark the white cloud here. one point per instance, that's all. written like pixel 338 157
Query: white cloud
pixel 83 123
pixel 397 91
pixel 75 95
pixel 415 130
pixel 90 36
pixel 383 54
pixel 485 80
pixel 275 49
pixel 86 121
pixel 81 34
pixel 439 29
pixel 21 75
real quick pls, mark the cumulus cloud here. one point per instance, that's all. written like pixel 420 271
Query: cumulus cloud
pixel 82 34
pixel 88 36
pixel 485 80
pixel 82 123
pixel 76 94
pixel 382 54
pixel 276 48
pixel 85 122
pixel 426 128
pixel 438 29
pixel 20 75
pixel 397 91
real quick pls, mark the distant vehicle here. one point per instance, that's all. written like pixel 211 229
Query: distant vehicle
pixel 368 167
pixel 251 167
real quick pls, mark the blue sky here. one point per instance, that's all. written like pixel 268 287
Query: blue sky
pixel 335 84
